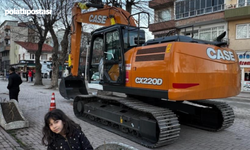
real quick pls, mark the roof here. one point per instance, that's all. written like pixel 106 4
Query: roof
pixel 34 46
pixel 7 21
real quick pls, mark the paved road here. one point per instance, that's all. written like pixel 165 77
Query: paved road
pixel 35 101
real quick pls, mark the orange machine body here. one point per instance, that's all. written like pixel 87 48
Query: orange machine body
pixel 187 71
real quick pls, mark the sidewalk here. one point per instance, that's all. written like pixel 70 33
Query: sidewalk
pixel 34 101
pixel 7 142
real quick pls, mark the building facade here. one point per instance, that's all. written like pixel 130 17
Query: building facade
pixel 25 55
pixel 238 18
pixel 18 44
pixel 202 19
pixel 5 31
pixel 206 20
pixel 11 31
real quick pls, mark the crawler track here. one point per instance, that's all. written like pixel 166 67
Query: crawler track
pixel 225 112
pixel 167 126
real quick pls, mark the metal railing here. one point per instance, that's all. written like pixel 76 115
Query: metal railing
pixel 242 4
pixel 199 12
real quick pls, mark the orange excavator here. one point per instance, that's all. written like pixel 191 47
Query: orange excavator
pixel 167 81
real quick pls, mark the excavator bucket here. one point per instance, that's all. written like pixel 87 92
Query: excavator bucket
pixel 71 86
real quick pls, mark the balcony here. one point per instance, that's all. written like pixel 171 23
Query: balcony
pixel 162 26
pixel 157 4
pixel 201 20
pixel 237 13
pixel 200 12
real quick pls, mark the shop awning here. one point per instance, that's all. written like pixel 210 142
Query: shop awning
pixel 20 65
pixel 31 65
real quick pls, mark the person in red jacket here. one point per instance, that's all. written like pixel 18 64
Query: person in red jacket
pixel 32 75
pixel 29 75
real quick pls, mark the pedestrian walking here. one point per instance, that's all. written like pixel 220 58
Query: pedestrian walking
pixel 29 75
pixel 60 132
pixel 13 85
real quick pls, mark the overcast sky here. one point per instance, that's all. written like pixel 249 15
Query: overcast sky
pixel 8 17
pixel 3 17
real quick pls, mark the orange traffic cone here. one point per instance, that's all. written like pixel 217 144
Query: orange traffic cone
pixel 53 102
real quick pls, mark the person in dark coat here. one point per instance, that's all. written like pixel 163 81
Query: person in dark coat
pixel 60 132
pixel 13 85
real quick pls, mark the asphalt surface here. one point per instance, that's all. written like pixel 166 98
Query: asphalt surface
pixel 34 101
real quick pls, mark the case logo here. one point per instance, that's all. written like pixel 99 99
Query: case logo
pixel 98 19
pixel 220 54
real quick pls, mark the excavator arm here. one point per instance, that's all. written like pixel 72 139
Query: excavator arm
pixel 104 16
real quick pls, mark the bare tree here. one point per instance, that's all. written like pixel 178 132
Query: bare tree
pixel 43 22
pixel 59 57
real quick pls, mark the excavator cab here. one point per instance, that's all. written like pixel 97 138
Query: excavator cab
pixel 107 51
pixel 108 46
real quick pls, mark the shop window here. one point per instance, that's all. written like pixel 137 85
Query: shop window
pixel 247 77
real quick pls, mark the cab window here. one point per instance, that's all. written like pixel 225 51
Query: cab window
pixel 113 48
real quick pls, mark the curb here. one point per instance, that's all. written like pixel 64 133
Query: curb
pixel 115 146
pixel 234 99
pixel 245 92
pixel 238 100
pixel 10 139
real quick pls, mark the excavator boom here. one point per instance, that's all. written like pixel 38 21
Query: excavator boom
pixel 105 16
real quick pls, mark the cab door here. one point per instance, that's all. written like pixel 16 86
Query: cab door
pixel 113 61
